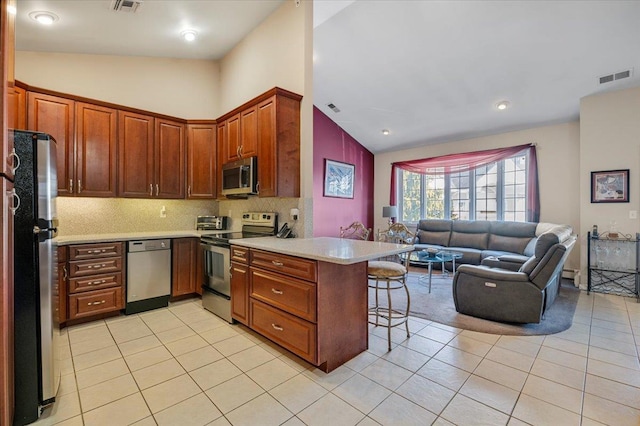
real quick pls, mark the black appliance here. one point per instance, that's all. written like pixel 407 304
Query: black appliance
pixel 36 321
pixel 216 289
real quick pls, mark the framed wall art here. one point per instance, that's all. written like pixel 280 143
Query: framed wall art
pixel 338 179
pixel 610 186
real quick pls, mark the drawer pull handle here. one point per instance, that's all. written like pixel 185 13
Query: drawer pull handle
pixel 277 263
pixel 98 282
pixel 274 291
pixel 277 327
pixel 97 303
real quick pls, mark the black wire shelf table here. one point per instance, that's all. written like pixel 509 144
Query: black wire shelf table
pixel 613 260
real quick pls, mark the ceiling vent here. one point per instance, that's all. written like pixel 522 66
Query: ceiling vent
pixel 616 76
pixel 125 5
pixel 333 107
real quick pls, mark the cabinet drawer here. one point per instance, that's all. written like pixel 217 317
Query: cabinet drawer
pixel 95 282
pixel 240 254
pixel 293 266
pixel 95 302
pixel 292 333
pixel 289 294
pixel 93 251
pixel 93 267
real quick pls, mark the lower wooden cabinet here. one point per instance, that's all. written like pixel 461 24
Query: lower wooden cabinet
pixel 240 292
pixel 93 279
pixel 185 266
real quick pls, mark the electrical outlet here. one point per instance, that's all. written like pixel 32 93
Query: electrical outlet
pixel 633 214
pixel 163 212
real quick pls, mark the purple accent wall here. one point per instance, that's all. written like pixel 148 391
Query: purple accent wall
pixel 333 143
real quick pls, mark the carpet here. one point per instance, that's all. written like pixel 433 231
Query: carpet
pixel 438 306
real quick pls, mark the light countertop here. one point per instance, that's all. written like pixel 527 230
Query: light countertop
pixel 129 236
pixel 326 249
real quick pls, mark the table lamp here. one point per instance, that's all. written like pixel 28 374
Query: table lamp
pixel 391 212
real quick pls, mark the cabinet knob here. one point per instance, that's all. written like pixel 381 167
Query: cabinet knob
pixel 71 186
pixel 150 190
pixel 157 189
pixel 79 186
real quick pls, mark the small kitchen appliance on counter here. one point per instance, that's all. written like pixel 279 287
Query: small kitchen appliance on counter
pixel 212 223
pixel 216 290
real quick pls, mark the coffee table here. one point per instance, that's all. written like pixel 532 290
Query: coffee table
pixel 421 257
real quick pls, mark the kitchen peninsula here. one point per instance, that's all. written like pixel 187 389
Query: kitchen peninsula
pixel 308 295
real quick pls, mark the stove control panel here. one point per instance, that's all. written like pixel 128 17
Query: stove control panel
pixel 260 218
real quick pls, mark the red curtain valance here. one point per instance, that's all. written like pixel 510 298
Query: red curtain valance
pixel 470 161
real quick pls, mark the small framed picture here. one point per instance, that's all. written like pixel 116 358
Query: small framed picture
pixel 338 179
pixel 610 186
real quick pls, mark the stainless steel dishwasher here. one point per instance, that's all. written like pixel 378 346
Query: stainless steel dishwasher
pixel 148 275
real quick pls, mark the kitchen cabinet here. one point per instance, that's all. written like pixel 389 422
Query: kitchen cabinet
pixel 56 116
pixel 201 161
pixel 17 108
pixel 184 252
pixel 61 291
pixel 96 281
pixel 317 310
pixel 240 284
pixel 151 157
pixel 96 149
pixel 169 159
pixel 269 128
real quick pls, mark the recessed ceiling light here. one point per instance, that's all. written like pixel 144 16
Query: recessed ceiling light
pixel 189 35
pixel 45 18
pixel 385 132
pixel 502 105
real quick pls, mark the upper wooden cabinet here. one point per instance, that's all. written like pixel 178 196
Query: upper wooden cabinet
pixel 201 160
pixel 151 159
pixel 135 163
pixel 169 159
pixel 268 127
pixel 56 116
pixel 96 149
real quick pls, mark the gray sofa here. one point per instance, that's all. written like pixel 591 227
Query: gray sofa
pixel 503 244
pixel 512 270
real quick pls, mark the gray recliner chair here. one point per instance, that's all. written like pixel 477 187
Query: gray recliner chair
pixel 515 296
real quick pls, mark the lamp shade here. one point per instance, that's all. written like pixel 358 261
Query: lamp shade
pixel 390 211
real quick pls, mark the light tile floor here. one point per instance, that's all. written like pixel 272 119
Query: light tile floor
pixel 183 366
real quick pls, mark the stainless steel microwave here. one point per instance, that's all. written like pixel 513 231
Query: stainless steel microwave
pixel 240 178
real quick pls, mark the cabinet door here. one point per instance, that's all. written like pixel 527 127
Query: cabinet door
pixel 135 158
pixel 169 159
pixel 248 132
pixel 232 139
pixel 201 161
pixel 221 142
pixel 17 108
pixel 55 116
pixel 95 151
pixel 184 267
pixel 199 267
pixel 267 160
pixel 61 293
pixel 240 292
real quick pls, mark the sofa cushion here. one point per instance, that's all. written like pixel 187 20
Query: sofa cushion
pixel 469 233
pixel 469 255
pixel 508 244
pixel 513 229
pixel 434 231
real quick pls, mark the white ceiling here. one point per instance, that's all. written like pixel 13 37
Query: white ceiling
pixel 429 71
pixel 433 71
pixel 90 26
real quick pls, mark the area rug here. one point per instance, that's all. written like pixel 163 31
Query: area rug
pixel 438 306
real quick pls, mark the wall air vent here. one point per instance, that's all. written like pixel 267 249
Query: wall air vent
pixel 126 5
pixel 333 107
pixel 615 76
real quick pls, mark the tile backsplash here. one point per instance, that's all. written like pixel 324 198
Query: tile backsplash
pixel 83 215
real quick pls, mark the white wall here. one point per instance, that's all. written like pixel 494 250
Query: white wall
pixel 609 140
pixel 277 53
pixel 558 149
pixel 180 88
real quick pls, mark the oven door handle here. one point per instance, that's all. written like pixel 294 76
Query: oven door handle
pixel 217 293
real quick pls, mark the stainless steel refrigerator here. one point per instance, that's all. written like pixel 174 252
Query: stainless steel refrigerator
pixel 36 325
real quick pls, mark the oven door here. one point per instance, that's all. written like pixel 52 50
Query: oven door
pixel 217 276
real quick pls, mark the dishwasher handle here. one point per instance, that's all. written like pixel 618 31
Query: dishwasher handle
pixel 148 245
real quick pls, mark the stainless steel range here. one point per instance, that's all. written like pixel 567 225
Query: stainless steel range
pixel 216 290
